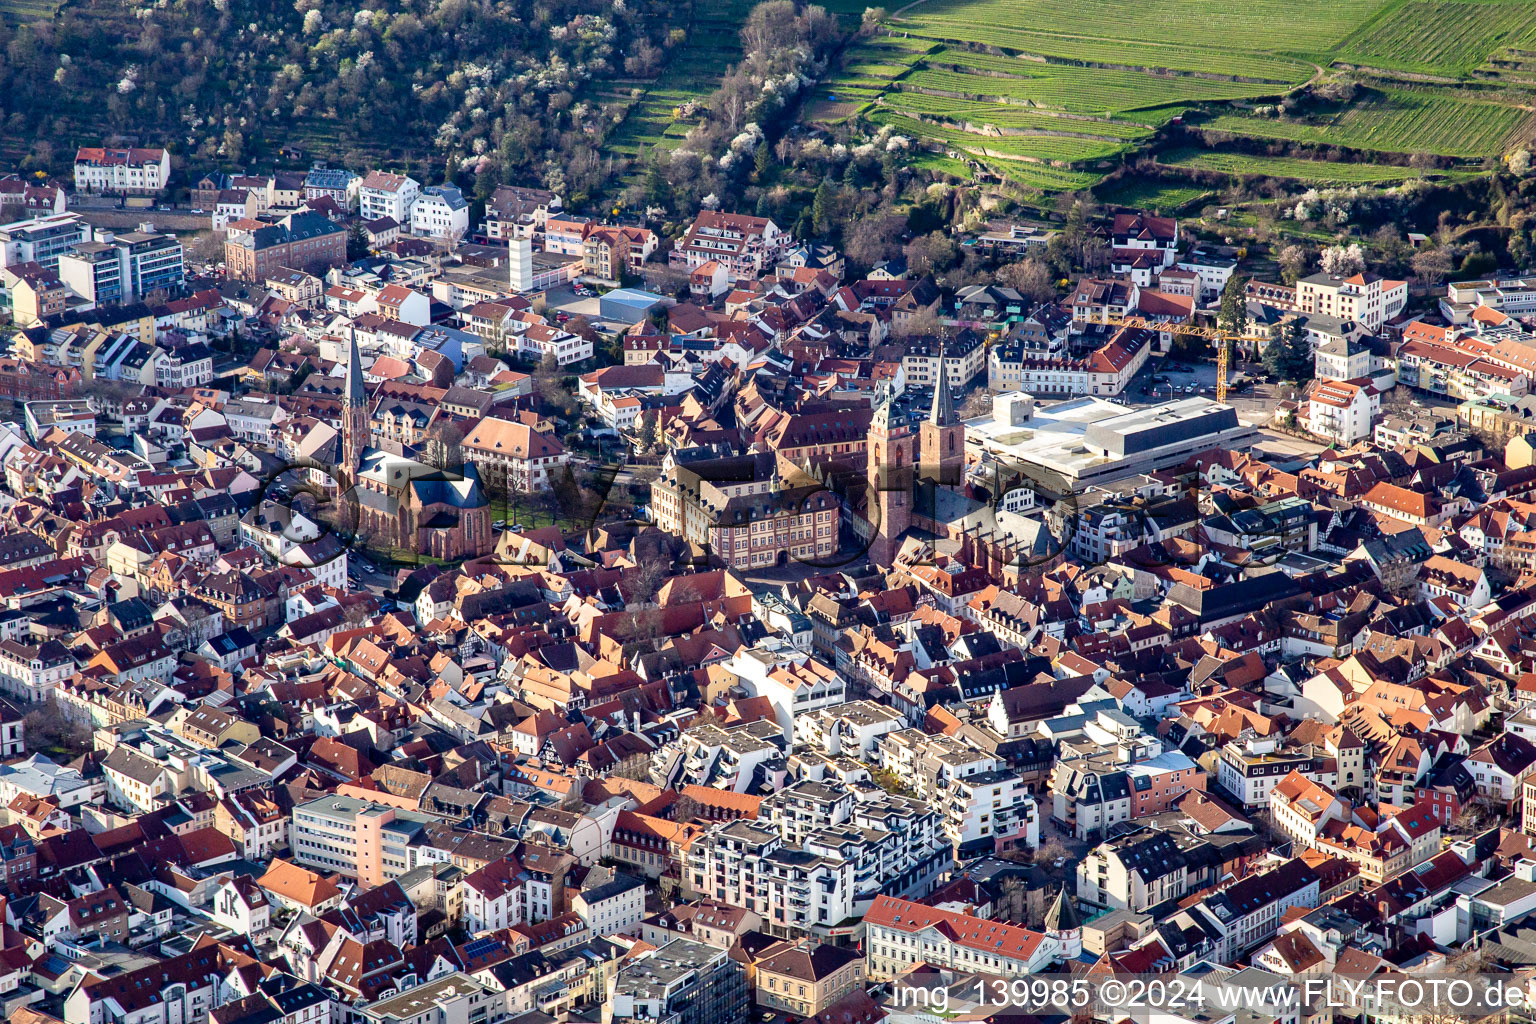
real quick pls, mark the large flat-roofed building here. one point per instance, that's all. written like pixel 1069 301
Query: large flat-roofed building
pixel 1093 440
pixel 355 838
pixel 683 982
pixel 453 999
pixel 41 240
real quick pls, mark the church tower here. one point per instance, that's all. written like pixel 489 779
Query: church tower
pixel 1063 925
pixel 890 480
pixel 354 425
pixel 942 436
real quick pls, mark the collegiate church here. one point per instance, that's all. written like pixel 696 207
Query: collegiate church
pixel 918 482
pixel 401 503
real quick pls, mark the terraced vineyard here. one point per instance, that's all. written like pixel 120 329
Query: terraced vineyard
pixel 1028 147
pixel 1312 172
pixel 1156 196
pixel 1017 82
pixel 1253 26
pixel 17 12
pixel 1008 116
pixel 713 44
pixel 1421 120
pixel 1441 36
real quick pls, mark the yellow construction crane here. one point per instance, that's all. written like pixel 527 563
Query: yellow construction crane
pixel 1209 333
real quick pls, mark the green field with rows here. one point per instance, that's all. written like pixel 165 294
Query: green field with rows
pixel 1069 149
pixel 1253 25
pixel 1441 36
pixel 1439 121
pixel 1312 172
pixel 20 11
pixel 1157 196
pixel 1452 78
pixel 1237 63
pixel 1011 116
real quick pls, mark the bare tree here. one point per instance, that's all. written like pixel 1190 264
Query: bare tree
pixel 1433 265
pixel 923 323
pixel 1030 278
pixel 644 580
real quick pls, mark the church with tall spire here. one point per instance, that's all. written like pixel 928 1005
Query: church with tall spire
pixel 399 502
pixel 906 470
pixel 916 480
pixel 941 438
pixel 889 501
pixel 354 424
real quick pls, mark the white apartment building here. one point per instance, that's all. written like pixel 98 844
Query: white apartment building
pixel 1512 296
pixel 1249 769
pixel 387 195
pixel 899 933
pixel 853 728
pixel 1365 298
pixel 745 245
pixel 495 896
pixel 748 864
pixel 614 907
pixel 1140 246
pixel 1342 411
pixel 1213 271
pixel 794 683
pixel 988 812
pixel 41 239
pixel 535 341
pixel 133 170
pixel 291 538
pixel 441 211
pixel 29 671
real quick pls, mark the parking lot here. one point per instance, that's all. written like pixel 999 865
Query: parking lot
pixel 560 304
pixel 565 299
pixel 1164 379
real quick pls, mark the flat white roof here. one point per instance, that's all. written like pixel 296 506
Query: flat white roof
pixel 1056 436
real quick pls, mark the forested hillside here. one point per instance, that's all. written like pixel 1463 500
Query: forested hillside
pixel 525 90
